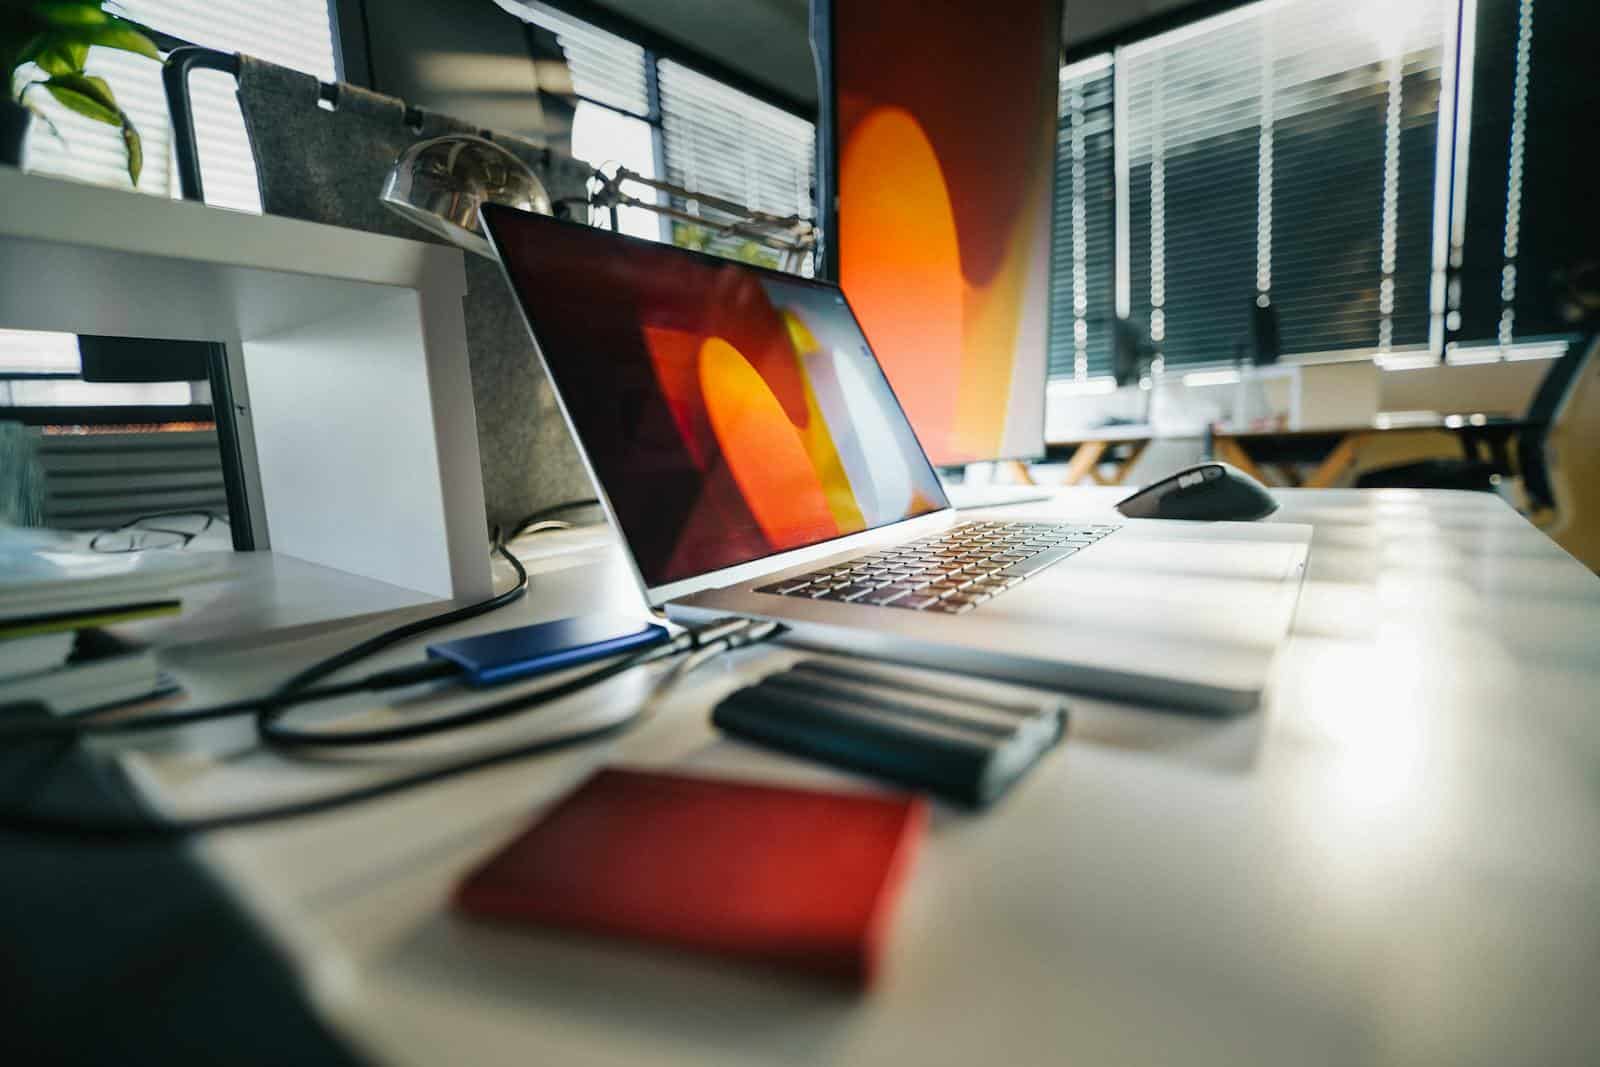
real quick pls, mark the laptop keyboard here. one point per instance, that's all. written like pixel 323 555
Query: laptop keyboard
pixel 950 573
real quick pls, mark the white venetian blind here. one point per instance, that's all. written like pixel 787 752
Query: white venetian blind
pixel 1082 293
pixel 1286 151
pixel 724 142
pixel 605 68
pixel 291 33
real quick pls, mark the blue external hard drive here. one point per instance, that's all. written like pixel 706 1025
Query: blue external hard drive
pixel 527 651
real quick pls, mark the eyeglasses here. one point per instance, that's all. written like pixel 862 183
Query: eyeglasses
pixel 168 529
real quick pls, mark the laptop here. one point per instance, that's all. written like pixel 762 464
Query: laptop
pixel 748 448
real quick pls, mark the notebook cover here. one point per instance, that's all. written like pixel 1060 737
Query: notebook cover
pixel 799 878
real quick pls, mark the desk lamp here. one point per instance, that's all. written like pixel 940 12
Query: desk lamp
pixel 789 234
pixel 439 184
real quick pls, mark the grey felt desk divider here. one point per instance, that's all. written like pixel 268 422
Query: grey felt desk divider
pixel 327 165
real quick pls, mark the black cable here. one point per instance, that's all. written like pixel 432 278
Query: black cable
pixel 92 725
pixel 295 691
pixel 269 727
pixel 373 645
pixel 715 637
pixel 268 720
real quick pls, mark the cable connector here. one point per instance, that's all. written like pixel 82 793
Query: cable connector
pixel 719 629
pixel 752 632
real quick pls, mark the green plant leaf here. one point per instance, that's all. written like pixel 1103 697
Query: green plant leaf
pixel 124 36
pixel 69 13
pixel 88 96
pixel 130 138
pixel 61 54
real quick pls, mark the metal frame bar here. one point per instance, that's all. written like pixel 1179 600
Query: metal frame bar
pixel 180 105
pixel 826 191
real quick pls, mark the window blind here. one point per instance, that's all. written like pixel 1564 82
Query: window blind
pixel 1285 151
pixel 707 136
pixel 1082 285
pixel 606 69
pixel 1526 210
pixel 723 142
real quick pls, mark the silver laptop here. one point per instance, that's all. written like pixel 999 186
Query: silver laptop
pixel 750 451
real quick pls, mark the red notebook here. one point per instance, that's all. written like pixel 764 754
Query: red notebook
pixel 800 878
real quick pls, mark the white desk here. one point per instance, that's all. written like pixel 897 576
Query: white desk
pixel 1396 862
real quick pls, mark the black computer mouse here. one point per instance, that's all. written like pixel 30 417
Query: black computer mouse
pixel 1207 492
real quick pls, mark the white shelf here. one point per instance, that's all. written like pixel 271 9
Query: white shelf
pixel 348 352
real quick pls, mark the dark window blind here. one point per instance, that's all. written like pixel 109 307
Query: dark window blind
pixel 1529 210
pixel 1284 152
pixel 1082 283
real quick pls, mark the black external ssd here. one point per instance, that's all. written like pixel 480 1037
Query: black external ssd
pixel 962 739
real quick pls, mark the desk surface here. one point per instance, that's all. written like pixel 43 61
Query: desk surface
pixel 1397 861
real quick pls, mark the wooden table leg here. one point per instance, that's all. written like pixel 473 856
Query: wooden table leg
pixel 1338 461
pixel 1084 461
pixel 1230 451
pixel 1120 466
pixel 1020 471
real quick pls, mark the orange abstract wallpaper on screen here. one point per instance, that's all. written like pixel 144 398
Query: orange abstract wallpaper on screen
pixel 946 115
pixel 728 413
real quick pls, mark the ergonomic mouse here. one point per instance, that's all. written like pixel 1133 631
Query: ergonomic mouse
pixel 1206 492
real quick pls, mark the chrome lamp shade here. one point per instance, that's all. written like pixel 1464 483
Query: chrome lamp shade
pixel 439 184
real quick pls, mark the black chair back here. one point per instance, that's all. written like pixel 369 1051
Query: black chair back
pixel 1547 399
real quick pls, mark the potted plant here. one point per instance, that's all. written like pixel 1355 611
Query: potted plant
pixel 54 36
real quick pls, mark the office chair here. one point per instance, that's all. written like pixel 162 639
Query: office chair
pixel 1572 467
pixel 1474 473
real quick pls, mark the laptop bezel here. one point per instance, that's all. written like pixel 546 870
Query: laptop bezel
pixel 658 595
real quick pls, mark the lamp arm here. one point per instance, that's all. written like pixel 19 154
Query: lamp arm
pixel 728 206
pixel 790 234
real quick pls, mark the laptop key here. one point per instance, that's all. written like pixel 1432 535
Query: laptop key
pixel 784 588
pixel 953 606
pixel 915 601
pixel 1029 567
pixel 887 594
pixel 852 591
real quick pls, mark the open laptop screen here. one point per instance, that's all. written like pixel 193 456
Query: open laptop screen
pixel 728 412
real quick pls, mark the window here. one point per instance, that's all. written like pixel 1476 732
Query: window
pixel 664 120
pixel 720 142
pixel 43 369
pixel 293 33
pixel 1525 149
pixel 611 123
pixel 1286 152
pixel 1082 294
